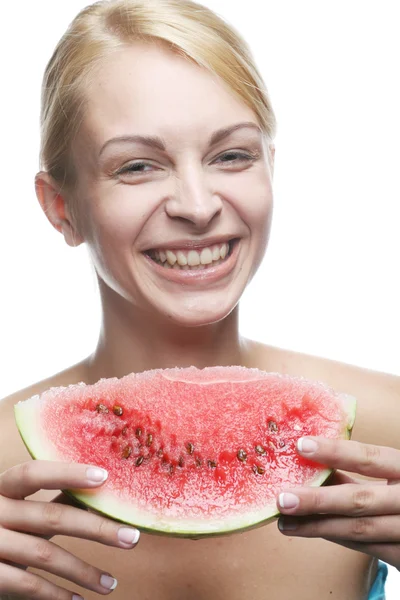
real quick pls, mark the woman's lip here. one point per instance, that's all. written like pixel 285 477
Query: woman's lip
pixel 193 245
pixel 207 275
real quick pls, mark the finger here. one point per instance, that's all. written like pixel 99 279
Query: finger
pixel 389 553
pixel 27 585
pixel 50 518
pixel 45 555
pixel 30 477
pixel 347 499
pixel 354 529
pixel 365 459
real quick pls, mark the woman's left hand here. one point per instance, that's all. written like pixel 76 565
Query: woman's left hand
pixel 358 514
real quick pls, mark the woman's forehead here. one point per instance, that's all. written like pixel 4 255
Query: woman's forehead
pixel 148 90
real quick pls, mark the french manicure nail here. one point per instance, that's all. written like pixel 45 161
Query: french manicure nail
pixel 96 475
pixel 108 582
pixel 129 536
pixel 287 500
pixel 306 446
pixel 285 525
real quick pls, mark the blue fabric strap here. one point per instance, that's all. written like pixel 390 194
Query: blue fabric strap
pixel 377 591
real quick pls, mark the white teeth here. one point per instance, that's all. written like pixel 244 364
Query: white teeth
pixel 215 253
pixel 206 256
pixel 171 258
pixel 182 260
pixel 193 258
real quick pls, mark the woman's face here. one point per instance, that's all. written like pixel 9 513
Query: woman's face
pixel 173 171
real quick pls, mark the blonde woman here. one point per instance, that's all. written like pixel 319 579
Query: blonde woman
pixel 158 153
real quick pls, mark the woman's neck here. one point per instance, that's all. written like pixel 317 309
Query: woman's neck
pixel 132 341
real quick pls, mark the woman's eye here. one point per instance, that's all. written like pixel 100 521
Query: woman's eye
pixel 233 157
pixel 138 167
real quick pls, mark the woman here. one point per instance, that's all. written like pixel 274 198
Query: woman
pixel 157 152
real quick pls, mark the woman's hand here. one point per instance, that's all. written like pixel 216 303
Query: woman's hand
pixel 357 514
pixel 25 525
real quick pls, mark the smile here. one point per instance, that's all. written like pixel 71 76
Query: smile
pixel 195 264
pixel 186 259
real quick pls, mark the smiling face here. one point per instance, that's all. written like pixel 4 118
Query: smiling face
pixel 174 186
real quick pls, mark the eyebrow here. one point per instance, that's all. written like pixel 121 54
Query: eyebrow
pixel 159 144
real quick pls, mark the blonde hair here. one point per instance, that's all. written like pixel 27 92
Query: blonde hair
pixel 187 28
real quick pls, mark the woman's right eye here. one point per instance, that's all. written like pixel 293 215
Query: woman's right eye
pixel 139 167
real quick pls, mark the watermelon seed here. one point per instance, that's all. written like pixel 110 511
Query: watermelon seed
pixel 125 429
pixel 102 408
pixel 281 444
pixel 181 461
pixel 138 432
pixel 258 470
pixel 212 464
pixel 190 448
pixel 149 440
pixel 198 461
pixel 171 469
pixel 160 452
pixel 139 460
pixel 117 410
pixel 272 426
pixel 242 456
pixel 259 449
pixel 127 452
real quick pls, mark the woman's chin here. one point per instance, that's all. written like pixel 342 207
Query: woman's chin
pixel 198 314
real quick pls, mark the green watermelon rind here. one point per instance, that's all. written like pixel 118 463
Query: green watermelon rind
pixel 36 446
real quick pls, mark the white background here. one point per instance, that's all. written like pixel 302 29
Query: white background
pixel 330 282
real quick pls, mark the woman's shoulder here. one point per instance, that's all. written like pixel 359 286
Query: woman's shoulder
pixel 377 393
pixel 9 436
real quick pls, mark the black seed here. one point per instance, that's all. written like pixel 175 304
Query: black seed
pixel 259 449
pixel 149 440
pixel 117 410
pixel 127 452
pixel 181 462
pixel 139 460
pixel 242 456
pixel 102 408
pixel 212 464
pixel 138 432
pixel 281 444
pixel 258 470
pixel 190 448
pixel 272 426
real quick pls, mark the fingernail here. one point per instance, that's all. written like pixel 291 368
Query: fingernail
pixel 96 475
pixel 306 446
pixel 108 582
pixel 76 597
pixel 129 536
pixel 285 525
pixel 288 500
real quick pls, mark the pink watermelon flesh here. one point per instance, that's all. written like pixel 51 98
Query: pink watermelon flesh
pixel 189 452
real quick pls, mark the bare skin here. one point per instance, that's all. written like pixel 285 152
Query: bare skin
pixel 192 191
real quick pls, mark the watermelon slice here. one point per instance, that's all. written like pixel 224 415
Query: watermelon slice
pixel 190 452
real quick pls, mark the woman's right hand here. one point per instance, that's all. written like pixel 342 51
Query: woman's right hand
pixel 25 525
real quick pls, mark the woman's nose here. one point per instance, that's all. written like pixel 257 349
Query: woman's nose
pixel 193 201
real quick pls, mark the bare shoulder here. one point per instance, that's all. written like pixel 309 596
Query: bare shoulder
pixel 9 436
pixel 377 393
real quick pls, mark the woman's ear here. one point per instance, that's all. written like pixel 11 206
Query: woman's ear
pixel 55 208
pixel 271 150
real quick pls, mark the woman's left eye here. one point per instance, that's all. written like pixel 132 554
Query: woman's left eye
pixel 234 157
